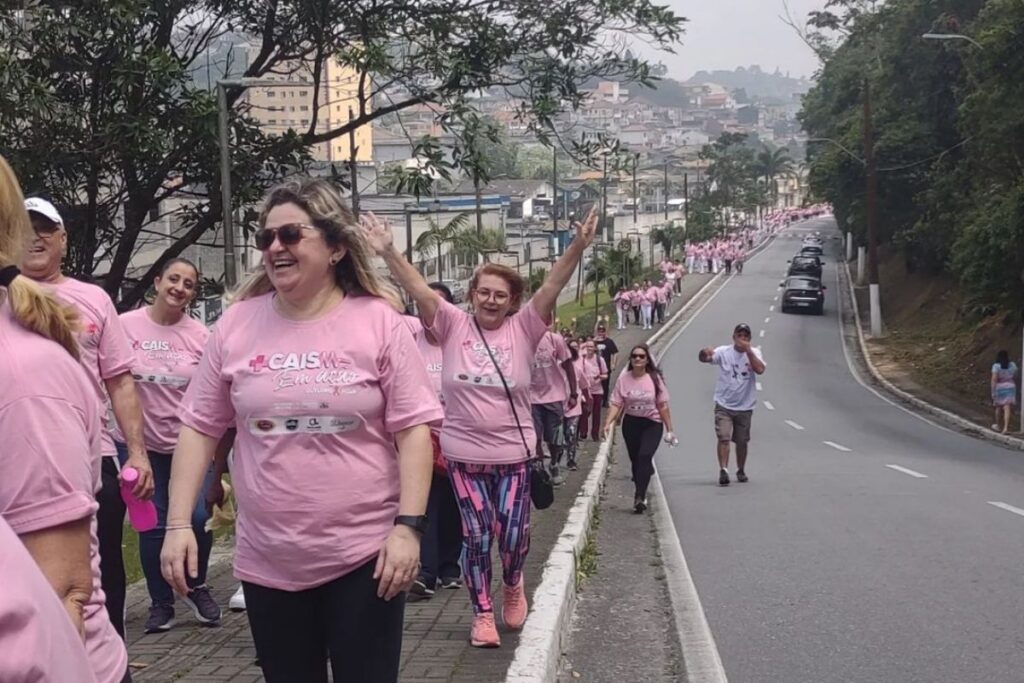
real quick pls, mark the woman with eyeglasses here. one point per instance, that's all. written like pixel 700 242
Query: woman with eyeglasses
pixel 315 367
pixel 168 345
pixel 640 393
pixel 487 433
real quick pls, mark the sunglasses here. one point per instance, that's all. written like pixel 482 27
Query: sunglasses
pixel 45 230
pixel 638 356
pixel 288 235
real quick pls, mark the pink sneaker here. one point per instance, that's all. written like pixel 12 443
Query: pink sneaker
pixel 484 633
pixel 514 607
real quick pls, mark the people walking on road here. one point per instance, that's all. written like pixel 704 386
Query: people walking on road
pixel 574 411
pixel 636 298
pixel 739 364
pixel 50 426
pixel 441 544
pixel 168 345
pixel 649 297
pixel 661 300
pixel 315 367
pixel 487 433
pixel 641 396
pixel 597 372
pixel 1004 391
pixel 740 257
pixel 622 307
pixel 609 351
pixel 107 358
pixel 552 387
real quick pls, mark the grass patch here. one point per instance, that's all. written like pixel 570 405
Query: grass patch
pixel 586 563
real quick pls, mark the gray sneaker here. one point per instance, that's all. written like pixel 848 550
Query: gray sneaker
pixel 161 618
pixel 203 605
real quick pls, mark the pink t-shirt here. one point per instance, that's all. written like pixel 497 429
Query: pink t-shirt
pixel 576 409
pixel 37 640
pixel 166 356
pixel 316 404
pixel 479 426
pixel 595 367
pixel 623 300
pixel 661 293
pixel 104 346
pixel 651 294
pixel 433 362
pixel 638 396
pixel 50 460
pixel 547 380
pixel 636 297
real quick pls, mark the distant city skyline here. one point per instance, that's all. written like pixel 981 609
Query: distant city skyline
pixel 726 34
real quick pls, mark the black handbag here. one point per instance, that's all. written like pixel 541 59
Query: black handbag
pixel 542 490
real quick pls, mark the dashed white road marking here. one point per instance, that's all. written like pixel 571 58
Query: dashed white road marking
pixel 904 470
pixel 794 425
pixel 838 447
pixel 771 309
pixel 1008 508
pixel 761 334
pixel 775 299
pixel 768 405
pixel 768 319
pixel 758 385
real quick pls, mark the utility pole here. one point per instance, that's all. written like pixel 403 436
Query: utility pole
pixel 666 190
pixel 353 167
pixel 604 197
pixel 230 266
pixel 871 204
pixel 686 201
pixel 479 200
pixel 636 199
pixel 554 191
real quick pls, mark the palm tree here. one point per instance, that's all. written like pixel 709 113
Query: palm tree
pixel 772 164
pixel 434 238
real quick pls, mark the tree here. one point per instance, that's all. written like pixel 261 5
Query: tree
pixel 771 164
pixel 437 235
pixel 105 115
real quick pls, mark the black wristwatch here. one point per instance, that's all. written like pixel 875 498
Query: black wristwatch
pixel 416 522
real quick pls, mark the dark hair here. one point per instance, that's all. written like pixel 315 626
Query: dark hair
pixel 515 281
pixel 174 261
pixel 442 289
pixel 652 369
pixel 1003 358
pixel 574 353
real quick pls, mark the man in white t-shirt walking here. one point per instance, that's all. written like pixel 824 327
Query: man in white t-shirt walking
pixel 735 397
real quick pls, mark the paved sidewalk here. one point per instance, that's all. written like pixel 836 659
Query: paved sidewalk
pixel 435 648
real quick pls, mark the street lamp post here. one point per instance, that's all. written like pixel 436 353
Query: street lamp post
pixel 223 135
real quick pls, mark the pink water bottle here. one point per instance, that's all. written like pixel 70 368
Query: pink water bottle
pixel 141 513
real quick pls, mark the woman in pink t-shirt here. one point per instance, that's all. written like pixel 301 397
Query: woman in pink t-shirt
pixel 574 409
pixel 488 356
pixel 168 345
pixel 50 459
pixel 641 394
pixel 319 374
pixel 622 306
pixel 597 371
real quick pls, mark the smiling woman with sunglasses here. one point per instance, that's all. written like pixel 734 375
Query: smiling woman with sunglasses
pixel 488 356
pixel 641 394
pixel 318 372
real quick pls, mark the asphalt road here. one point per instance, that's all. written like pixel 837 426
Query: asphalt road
pixel 866 546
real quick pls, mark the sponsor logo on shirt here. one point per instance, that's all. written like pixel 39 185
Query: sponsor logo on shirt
pixel 303 424
pixel 154 378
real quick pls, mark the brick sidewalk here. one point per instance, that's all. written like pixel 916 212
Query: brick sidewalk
pixel 435 648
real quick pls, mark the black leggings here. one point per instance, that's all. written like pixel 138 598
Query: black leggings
pixel 109 532
pixel 642 437
pixel 296 632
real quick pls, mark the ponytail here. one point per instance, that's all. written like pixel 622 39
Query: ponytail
pixel 38 311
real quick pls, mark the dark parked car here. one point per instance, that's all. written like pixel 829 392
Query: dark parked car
pixel 811 250
pixel 805 265
pixel 803 293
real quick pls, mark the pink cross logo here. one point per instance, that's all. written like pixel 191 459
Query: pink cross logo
pixel 258 363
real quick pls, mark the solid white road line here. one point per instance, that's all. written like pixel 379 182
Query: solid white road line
pixel 771 308
pixel 795 426
pixel 758 385
pixel 768 405
pixel 761 334
pixel 904 470
pixel 768 319
pixel 1008 508
pixel 838 447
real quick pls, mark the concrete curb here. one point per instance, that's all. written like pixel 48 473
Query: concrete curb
pixel 951 419
pixel 537 657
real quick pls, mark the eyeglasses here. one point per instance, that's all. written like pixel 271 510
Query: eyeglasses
pixel 497 297
pixel 45 230
pixel 638 356
pixel 288 235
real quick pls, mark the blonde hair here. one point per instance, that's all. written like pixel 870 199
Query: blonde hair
pixel 330 214
pixel 34 308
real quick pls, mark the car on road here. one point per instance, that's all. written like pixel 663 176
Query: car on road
pixel 805 265
pixel 812 250
pixel 457 289
pixel 802 293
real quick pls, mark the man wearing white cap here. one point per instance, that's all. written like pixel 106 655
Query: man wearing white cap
pixel 107 357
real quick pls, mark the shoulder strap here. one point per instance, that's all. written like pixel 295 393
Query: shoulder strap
pixel 508 392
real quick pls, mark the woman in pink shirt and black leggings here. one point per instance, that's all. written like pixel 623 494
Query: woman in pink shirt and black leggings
pixel 487 428
pixel 318 372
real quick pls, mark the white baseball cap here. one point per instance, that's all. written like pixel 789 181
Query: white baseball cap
pixel 44 208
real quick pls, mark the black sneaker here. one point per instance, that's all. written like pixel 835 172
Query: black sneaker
pixel 639 506
pixel 419 591
pixel 203 605
pixel 453 583
pixel 723 478
pixel 741 476
pixel 161 618
pixel 572 466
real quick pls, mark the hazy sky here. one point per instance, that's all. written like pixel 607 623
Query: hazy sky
pixel 724 34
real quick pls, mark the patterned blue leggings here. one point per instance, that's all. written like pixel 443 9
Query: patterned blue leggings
pixel 493 500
